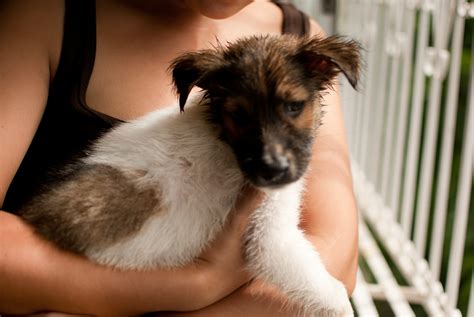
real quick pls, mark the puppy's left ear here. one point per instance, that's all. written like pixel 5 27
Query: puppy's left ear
pixel 325 58
pixel 192 69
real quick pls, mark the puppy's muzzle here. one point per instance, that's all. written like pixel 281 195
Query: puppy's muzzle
pixel 275 166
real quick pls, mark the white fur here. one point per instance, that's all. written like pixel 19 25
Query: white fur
pixel 199 180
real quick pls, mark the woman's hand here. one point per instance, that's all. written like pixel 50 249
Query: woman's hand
pixel 221 266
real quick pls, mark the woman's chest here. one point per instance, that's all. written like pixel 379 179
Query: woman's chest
pixel 130 75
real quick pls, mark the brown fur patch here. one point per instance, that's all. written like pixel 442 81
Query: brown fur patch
pixel 97 206
pixel 291 91
pixel 306 120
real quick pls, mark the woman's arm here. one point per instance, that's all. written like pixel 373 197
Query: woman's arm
pixel 329 212
pixel 24 80
pixel 36 276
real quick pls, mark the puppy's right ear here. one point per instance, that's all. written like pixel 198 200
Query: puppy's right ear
pixel 193 69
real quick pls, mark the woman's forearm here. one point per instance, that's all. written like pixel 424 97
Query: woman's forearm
pixel 340 258
pixel 330 218
pixel 28 277
pixel 36 276
pixel 255 299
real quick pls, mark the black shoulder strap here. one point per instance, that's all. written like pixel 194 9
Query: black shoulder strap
pixel 78 49
pixel 294 21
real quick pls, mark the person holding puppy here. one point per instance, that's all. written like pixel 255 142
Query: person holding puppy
pixel 71 70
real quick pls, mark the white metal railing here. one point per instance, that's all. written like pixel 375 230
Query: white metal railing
pixel 402 132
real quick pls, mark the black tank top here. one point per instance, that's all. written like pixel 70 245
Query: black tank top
pixel 68 125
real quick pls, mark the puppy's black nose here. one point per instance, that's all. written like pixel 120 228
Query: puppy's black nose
pixel 274 167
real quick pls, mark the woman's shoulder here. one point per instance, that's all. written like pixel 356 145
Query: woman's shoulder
pixel 32 26
pixel 258 17
pixel 266 16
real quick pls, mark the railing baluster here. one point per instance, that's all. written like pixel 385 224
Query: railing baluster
pixel 379 106
pixel 383 274
pixel 362 299
pixel 436 67
pixel 371 101
pixel 394 199
pixel 470 308
pixel 409 183
pixel 355 27
pixel 372 33
pixel 351 110
pixel 396 47
pixel 462 200
pixel 444 176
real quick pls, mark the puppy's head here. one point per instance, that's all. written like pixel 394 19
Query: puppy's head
pixel 264 93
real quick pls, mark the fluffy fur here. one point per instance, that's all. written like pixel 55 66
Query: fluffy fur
pixel 155 191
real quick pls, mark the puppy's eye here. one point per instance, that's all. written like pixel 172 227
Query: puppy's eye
pixel 294 108
pixel 240 117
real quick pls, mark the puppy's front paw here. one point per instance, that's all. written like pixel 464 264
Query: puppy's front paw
pixel 333 301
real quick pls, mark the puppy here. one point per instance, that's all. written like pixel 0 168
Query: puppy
pixel 155 191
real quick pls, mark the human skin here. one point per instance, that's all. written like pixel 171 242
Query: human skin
pixel 139 48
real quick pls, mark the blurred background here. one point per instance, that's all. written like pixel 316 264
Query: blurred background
pixel 411 133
